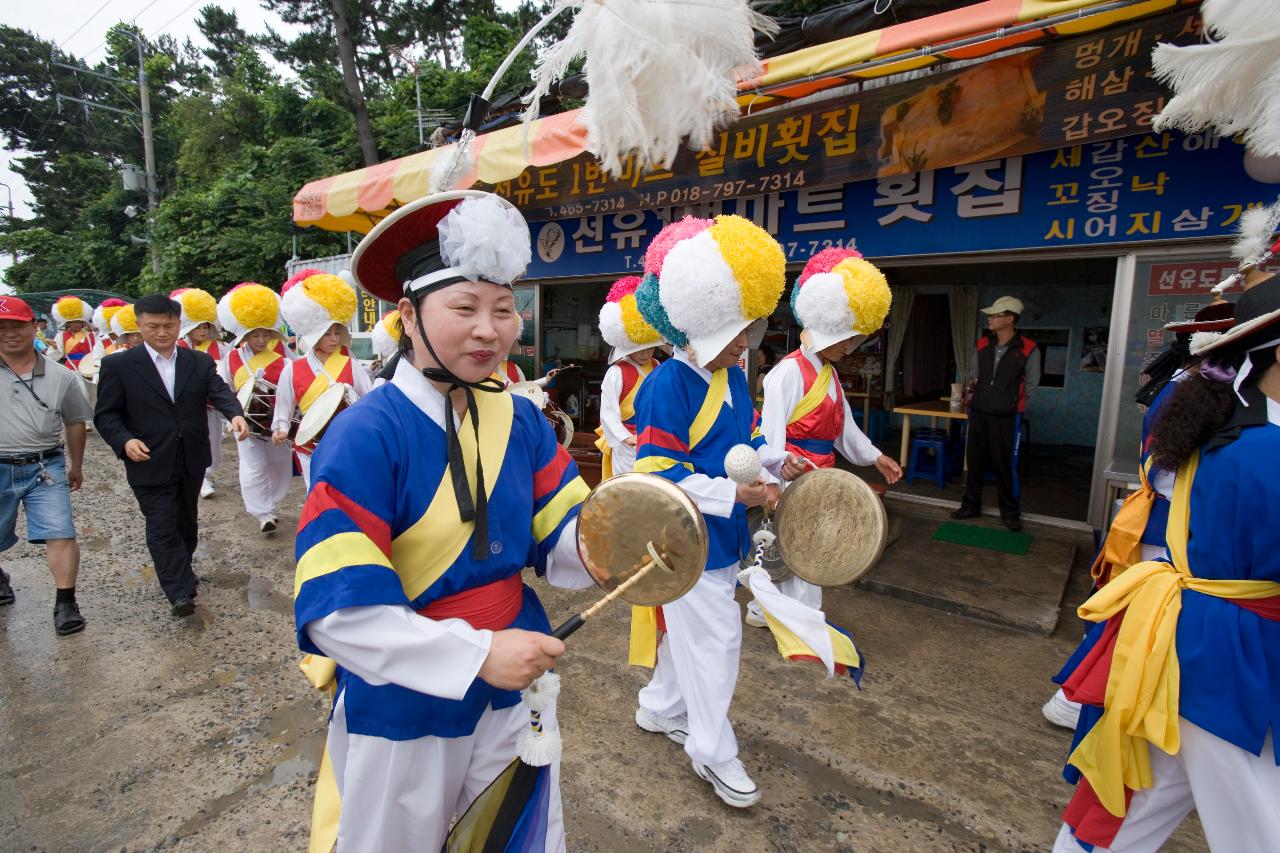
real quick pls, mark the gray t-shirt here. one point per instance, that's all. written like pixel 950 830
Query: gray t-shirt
pixel 28 425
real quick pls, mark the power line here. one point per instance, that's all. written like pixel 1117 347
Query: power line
pixel 174 18
pixel 86 23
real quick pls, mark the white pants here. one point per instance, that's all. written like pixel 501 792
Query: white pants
pixel 403 795
pixel 697 668
pixel 1236 793
pixel 265 472
pixel 624 458
pixel 793 587
pixel 215 442
pixel 304 464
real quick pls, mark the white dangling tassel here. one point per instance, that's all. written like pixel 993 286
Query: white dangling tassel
pixel 1240 18
pixel 1200 340
pixel 658 71
pixel 538 744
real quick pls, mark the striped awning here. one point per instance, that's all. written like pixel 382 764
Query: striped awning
pixel 356 201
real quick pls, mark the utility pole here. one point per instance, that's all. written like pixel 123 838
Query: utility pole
pixel 12 251
pixel 148 150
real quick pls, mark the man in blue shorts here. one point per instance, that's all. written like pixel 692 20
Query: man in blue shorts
pixel 41 399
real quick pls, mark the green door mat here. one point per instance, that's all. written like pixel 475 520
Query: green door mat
pixel 990 538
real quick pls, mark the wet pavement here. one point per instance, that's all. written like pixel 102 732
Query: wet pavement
pixel 149 733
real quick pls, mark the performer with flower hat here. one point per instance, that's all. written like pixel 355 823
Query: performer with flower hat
pixel 709 287
pixel 74 339
pixel 318 309
pixel 428 500
pixel 624 328
pixel 839 299
pixel 125 325
pixel 1185 661
pixel 199 331
pixel 251 313
pixel 102 316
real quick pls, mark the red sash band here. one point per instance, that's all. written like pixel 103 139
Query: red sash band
pixel 491 607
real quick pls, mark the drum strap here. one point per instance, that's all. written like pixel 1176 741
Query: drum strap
pixel 259 361
pixel 333 367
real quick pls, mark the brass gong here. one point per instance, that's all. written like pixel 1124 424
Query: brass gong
pixel 831 527
pixel 628 519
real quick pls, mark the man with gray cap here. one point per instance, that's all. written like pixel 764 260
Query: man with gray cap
pixel 1005 372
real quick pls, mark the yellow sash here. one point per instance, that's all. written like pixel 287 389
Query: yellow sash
pixel 1123 546
pixel 333 365
pixel 74 341
pixel 258 361
pixel 626 409
pixel 644 620
pixel 420 556
pixel 1141 705
pixel 813 398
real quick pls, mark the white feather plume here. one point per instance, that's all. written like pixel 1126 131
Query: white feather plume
pixel 1200 340
pixel 487 239
pixel 1232 86
pixel 1257 228
pixel 658 71
pixel 1240 18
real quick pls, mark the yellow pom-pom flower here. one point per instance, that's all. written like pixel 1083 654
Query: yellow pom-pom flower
pixel 125 320
pixel 255 306
pixel 333 294
pixel 757 261
pixel 868 292
pixel 199 305
pixel 634 324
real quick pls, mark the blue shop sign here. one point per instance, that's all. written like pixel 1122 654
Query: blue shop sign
pixel 1128 190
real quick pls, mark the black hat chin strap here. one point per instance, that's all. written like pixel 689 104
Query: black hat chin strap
pixel 468 510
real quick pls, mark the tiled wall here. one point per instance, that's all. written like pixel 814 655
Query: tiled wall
pixel 1067 415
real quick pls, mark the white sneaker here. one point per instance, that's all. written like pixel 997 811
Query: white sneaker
pixel 268 524
pixel 206 488
pixel 730 782
pixel 675 728
pixel 1061 711
pixel 755 618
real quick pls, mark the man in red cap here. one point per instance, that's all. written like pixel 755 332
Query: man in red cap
pixel 42 399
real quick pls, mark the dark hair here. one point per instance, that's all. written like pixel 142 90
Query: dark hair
pixel 1197 409
pixel 157 303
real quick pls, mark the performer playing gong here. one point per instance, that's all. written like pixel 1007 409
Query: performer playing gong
pixel 633 340
pixel 428 500
pixel 251 313
pixel 707 285
pixel 319 308
pixel 199 331
pixel 839 299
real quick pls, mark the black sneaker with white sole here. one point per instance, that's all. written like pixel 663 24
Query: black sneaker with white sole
pixel 730 781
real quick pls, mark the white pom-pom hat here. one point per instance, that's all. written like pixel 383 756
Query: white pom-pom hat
pixel 386 335
pixel 443 239
pixel 839 297
pixel 622 325
pixel 104 312
pixel 69 309
pixel 198 307
pixel 249 306
pixel 717 279
pixel 318 303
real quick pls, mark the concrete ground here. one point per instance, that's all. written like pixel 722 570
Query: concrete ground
pixel 148 733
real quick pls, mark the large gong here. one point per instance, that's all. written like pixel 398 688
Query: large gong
pixel 831 527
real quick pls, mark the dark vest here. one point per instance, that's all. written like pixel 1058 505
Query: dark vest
pixel 1000 388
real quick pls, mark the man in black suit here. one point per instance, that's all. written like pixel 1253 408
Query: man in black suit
pixel 151 411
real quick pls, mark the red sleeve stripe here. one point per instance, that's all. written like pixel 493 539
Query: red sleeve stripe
pixel 548 478
pixel 663 440
pixel 324 497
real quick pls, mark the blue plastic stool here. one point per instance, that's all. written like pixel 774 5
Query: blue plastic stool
pixel 925 465
pixel 877 428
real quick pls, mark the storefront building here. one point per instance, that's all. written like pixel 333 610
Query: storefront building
pixel 1054 190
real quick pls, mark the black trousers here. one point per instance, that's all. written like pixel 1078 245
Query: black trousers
pixel 992 442
pixel 171 512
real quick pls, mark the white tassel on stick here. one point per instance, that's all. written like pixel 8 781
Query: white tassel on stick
pixel 658 72
pixel 539 744
pixel 1257 228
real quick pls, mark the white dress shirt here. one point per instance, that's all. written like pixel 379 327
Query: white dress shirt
pixel 783 390
pixel 168 367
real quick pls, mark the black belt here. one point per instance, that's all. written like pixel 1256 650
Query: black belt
pixel 31 458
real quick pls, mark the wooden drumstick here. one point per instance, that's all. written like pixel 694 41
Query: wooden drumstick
pixel 575 622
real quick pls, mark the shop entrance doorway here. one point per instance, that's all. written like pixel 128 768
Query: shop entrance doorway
pixel 1067 312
